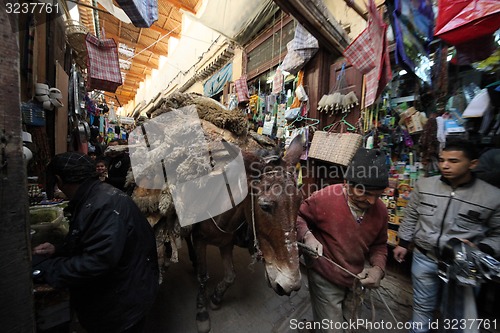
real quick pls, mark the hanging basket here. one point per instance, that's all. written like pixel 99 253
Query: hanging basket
pixel 75 35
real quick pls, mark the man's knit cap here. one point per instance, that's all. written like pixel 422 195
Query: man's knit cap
pixel 368 167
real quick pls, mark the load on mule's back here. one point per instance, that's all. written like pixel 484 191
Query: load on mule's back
pixel 196 166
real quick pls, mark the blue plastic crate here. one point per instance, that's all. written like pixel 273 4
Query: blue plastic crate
pixel 33 114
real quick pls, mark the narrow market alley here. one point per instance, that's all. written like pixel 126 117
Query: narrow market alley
pixel 251 306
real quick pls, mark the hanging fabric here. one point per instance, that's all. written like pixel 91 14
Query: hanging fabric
pixel 460 21
pixel 103 64
pixel 142 13
pixel 372 44
pixel 412 24
pixel 300 78
pixel 242 89
pixel 278 81
pixel 215 84
pixel 378 78
pixel 301 48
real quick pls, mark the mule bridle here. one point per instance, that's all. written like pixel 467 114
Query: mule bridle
pixel 258 252
pixel 255 241
pixel 224 231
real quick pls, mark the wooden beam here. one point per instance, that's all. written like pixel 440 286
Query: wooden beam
pixel 127 74
pixel 164 32
pixel 118 93
pixel 149 64
pixel 181 5
pixel 122 98
pixel 127 88
pixel 130 83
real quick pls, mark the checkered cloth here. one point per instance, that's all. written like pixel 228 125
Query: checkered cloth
pixel 242 89
pixel 360 52
pixel 278 82
pixel 142 13
pixel 299 50
pixel 368 54
pixel 102 63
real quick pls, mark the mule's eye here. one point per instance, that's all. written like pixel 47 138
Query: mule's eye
pixel 266 206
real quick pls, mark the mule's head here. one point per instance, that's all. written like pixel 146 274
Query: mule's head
pixel 275 200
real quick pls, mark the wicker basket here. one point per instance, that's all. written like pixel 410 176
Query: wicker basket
pixel 75 35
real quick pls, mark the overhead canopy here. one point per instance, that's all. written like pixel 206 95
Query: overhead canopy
pixel 238 20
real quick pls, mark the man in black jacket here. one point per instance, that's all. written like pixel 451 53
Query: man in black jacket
pixel 118 164
pixel 108 259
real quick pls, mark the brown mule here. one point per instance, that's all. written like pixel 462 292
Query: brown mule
pixel 266 218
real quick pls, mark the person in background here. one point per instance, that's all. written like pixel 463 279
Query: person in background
pixel 488 168
pixel 119 163
pixel 346 223
pixel 101 169
pixel 455 205
pixel 108 259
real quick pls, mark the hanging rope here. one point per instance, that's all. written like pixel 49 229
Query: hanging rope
pixel 357 288
pixel 95 14
pixel 154 43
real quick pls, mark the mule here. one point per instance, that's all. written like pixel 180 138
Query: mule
pixel 268 217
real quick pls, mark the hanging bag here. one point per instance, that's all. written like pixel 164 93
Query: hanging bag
pixel 242 89
pixel 103 65
pixel 335 145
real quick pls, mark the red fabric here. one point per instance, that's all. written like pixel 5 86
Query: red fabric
pixel 360 52
pixel 460 21
pixel 344 240
pixel 368 54
pixel 103 64
pixel 242 89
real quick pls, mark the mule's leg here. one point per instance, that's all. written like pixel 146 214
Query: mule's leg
pixel 226 253
pixel 202 316
pixel 191 251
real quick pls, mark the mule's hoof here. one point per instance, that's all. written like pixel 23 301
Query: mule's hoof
pixel 215 304
pixel 203 326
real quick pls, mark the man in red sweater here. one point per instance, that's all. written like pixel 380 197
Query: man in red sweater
pixel 346 223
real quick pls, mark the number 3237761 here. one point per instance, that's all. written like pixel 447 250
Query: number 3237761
pixel 31 8
pixel 464 324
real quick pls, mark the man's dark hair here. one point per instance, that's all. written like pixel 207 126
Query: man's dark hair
pixel 102 159
pixel 465 146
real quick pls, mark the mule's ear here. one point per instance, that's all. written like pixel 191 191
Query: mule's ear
pixel 253 164
pixel 294 151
